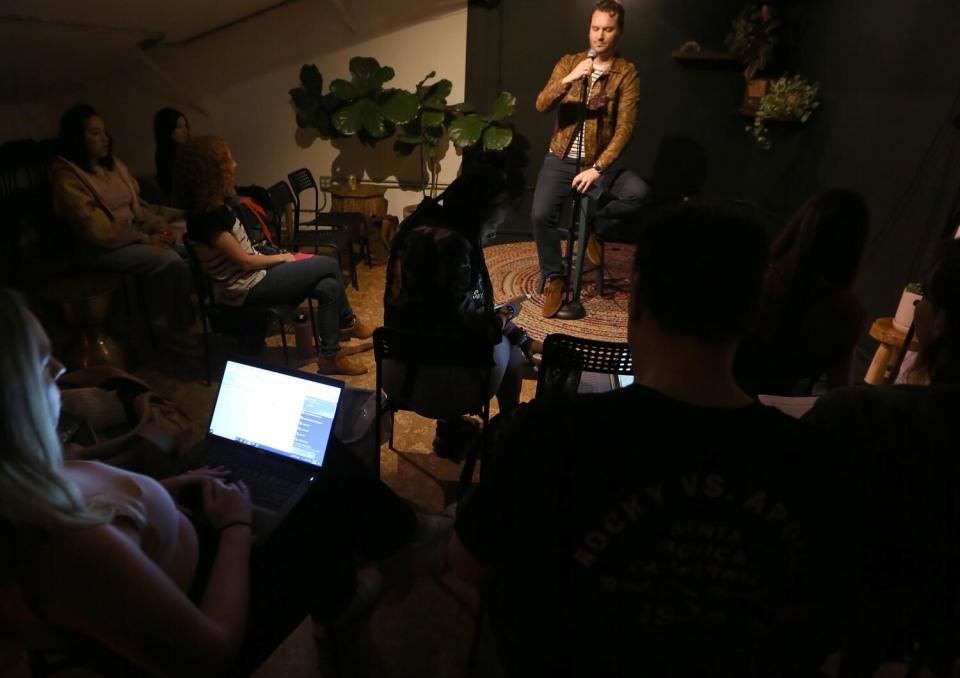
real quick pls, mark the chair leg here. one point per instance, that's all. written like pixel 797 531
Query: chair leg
pixel 142 298
pixel 353 268
pixel 479 619
pixel 283 341
pixel 601 267
pixel 206 352
pixel 313 326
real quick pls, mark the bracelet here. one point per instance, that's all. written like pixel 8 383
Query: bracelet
pixel 235 523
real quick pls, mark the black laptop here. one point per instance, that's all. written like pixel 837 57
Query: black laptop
pixel 271 427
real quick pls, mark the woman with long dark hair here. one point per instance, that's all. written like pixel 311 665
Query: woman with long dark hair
pixel 95 193
pixel 810 318
pixel 171 129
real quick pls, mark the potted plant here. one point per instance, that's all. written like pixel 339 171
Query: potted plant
pixel 752 37
pixel 421 119
pixel 789 98
pixel 912 294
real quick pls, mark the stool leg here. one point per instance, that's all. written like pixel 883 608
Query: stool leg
pixel 878 366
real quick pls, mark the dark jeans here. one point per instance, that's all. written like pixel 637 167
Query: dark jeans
pixel 163 271
pixel 619 193
pixel 307 566
pixel 318 277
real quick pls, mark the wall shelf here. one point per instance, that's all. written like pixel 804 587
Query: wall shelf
pixel 706 58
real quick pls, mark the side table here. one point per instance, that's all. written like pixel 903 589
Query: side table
pixel 365 199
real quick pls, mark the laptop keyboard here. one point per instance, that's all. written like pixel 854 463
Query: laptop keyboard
pixel 270 483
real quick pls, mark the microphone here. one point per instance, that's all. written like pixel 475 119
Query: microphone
pixel 592 54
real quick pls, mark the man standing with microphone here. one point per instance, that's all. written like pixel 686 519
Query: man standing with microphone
pixel 585 156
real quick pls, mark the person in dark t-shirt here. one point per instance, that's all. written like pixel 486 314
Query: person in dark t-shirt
pixel 675 527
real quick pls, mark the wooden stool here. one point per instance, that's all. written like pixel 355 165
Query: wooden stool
pixel 891 342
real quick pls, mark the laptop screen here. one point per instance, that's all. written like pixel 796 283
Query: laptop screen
pixel 275 411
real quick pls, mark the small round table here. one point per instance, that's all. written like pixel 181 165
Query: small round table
pixel 891 343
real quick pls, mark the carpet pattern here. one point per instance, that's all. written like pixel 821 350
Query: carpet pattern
pixel 514 270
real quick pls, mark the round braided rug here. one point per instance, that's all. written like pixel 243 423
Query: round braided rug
pixel 514 270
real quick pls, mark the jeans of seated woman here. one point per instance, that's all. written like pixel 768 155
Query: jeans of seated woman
pixel 318 277
pixel 164 272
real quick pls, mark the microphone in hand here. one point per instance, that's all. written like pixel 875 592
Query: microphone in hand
pixel 592 54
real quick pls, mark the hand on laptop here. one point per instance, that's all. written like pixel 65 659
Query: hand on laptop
pixel 176 483
pixel 225 504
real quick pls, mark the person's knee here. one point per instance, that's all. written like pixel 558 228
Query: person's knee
pixel 634 190
pixel 543 214
pixel 327 291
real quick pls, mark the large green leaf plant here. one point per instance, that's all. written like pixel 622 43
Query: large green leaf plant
pixel 419 120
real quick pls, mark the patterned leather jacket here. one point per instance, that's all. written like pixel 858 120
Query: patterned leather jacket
pixel 611 109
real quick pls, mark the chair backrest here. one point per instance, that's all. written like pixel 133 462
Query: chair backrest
pixel 281 196
pixel 302 180
pixel 565 358
pixel 201 281
pixel 416 350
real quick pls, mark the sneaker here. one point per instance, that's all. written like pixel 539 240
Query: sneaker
pixel 356 330
pixel 357 348
pixel 338 363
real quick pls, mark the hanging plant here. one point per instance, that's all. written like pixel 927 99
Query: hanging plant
pixel 752 37
pixel 418 120
pixel 788 99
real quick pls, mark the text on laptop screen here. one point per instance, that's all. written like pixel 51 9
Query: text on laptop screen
pixel 289 415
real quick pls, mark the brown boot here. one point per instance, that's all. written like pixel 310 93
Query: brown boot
pixel 338 363
pixel 594 250
pixel 357 330
pixel 553 296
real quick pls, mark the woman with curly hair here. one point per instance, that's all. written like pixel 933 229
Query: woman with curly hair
pixel 204 179
pixel 96 195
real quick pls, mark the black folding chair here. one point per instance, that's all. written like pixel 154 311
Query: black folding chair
pixel 566 358
pixel 328 237
pixel 414 350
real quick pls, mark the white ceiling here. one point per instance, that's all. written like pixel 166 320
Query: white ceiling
pixel 51 46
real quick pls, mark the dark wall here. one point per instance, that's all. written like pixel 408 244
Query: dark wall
pixel 890 79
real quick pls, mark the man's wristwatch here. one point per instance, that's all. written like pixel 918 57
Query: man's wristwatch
pixel 597 166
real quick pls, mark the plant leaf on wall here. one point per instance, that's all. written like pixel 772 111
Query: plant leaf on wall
pixel 504 107
pixel 400 106
pixel 436 94
pixel 467 130
pixel 368 73
pixel 497 138
pixel 310 78
pixel 432 119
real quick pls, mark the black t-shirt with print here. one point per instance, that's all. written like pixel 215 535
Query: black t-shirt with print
pixel 632 534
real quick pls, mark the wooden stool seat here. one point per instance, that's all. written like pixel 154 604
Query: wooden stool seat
pixel 891 342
